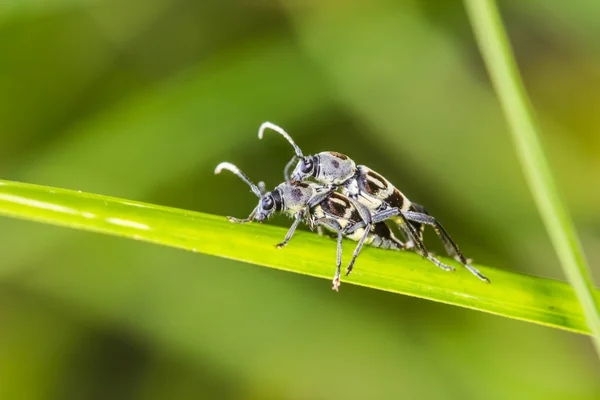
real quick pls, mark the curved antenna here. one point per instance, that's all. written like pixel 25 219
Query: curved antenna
pixel 269 125
pixel 240 174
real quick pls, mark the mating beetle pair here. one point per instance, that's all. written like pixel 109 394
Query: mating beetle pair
pixel 329 190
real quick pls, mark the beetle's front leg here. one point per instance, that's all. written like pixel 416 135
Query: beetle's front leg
pixel 292 229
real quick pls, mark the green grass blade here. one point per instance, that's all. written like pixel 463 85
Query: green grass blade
pixel 543 301
pixel 497 54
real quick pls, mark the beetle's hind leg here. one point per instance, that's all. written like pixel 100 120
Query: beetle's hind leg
pixel 449 244
pixel 412 234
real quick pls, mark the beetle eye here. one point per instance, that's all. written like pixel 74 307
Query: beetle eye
pixel 267 203
pixel 306 166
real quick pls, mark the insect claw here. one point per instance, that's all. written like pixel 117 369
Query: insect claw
pixel 336 284
pixel 476 272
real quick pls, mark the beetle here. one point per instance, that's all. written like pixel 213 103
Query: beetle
pixel 360 183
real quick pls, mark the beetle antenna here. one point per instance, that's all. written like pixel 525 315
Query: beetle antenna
pixel 278 129
pixel 240 174
pixel 262 187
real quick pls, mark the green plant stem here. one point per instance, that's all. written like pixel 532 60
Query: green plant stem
pixel 497 54
pixel 534 299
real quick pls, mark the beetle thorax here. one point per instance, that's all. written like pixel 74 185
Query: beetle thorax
pixel 295 196
pixel 334 168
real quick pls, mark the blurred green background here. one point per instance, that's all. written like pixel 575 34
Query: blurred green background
pixel 141 99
